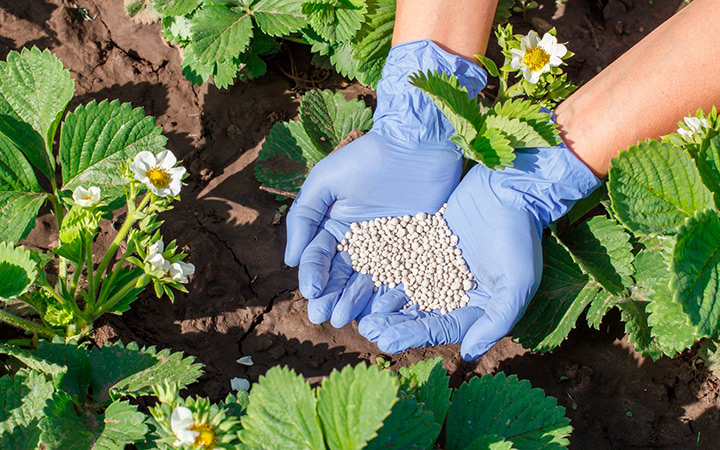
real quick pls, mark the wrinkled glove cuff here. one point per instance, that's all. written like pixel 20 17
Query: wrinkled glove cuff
pixel 549 180
pixel 404 112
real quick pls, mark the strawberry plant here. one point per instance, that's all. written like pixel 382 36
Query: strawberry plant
pixel 108 155
pixel 653 254
pixel 224 40
pixel 365 407
pixel 69 397
pixel 489 131
pixel 292 148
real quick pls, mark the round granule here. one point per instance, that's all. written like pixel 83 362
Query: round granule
pixel 420 252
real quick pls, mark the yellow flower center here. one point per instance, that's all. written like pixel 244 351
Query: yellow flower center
pixel 158 177
pixel 536 58
pixel 87 197
pixel 206 437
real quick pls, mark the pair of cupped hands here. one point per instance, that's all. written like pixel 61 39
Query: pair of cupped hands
pixel 405 165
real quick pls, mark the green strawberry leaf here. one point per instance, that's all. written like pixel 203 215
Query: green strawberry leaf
pixel 603 249
pixel 96 138
pixel 504 407
pixel 18 270
pixel 35 362
pixel 75 381
pixel 353 403
pixel 669 324
pixel 635 316
pixel 21 408
pixel 281 413
pixel 334 20
pixel 62 429
pixel 419 429
pixel 328 118
pixel 220 32
pixel 286 157
pixel 429 382
pixel 141 373
pixel 696 271
pixel 372 43
pixel 278 17
pixel 564 293
pixel 35 88
pixel 176 7
pixel 654 187
pixel 708 164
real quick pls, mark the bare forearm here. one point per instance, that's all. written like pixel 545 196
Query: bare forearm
pixel 461 27
pixel 667 75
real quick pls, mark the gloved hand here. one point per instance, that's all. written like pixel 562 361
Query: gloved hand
pixel 405 164
pixel 498 216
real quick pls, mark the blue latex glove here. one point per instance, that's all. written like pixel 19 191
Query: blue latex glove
pixel 498 217
pixel 404 165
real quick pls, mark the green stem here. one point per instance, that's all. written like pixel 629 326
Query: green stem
pixel 119 295
pixel 26 325
pixel 108 282
pixel 55 200
pixel 90 275
pixel 76 279
pixel 129 221
pixel 295 39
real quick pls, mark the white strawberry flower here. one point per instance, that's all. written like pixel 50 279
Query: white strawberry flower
pixel 179 271
pixel 155 257
pixel 86 197
pixel 158 172
pixel 535 57
pixel 240 384
pixel 695 125
pixel 181 423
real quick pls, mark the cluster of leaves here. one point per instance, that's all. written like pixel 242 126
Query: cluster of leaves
pixel 487 134
pixel 225 39
pixel 94 140
pixel 69 397
pixel 367 407
pixel 489 131
pixel 655 256
pixel 292 148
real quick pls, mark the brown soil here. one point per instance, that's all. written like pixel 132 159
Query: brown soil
pixel 244 301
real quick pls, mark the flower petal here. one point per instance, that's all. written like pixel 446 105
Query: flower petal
pixel 532 39
pixel 166 159
pixel 240 384
pixel 181 419
pixel 245 361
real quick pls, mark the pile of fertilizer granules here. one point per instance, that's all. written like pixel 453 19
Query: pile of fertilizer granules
pixel 420 252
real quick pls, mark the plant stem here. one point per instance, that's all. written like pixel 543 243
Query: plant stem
pixel 90 276
pixel 55 200
pixel 129 221
pixel 295 39
pixel 107 283
pixel 26 325
pixel 119 295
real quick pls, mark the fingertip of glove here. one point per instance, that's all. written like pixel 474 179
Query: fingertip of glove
pixel 318 311
pixel 391 342
pixel 368 329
